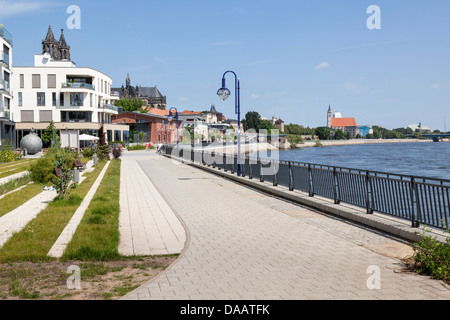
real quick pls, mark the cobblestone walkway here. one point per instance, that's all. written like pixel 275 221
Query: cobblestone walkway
pixel 243 244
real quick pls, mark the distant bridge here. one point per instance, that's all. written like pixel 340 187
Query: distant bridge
pixel 434 136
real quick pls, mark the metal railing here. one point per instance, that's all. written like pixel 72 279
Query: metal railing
pixel 4 85
pixel 77 85
pixel 4 58
pixel 420 200
pixel 6 35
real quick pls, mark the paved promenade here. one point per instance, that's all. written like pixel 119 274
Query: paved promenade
pixel 242 244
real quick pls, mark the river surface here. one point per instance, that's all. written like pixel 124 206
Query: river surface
pixel 418 159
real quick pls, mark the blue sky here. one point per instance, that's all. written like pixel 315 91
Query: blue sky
pixel 293 57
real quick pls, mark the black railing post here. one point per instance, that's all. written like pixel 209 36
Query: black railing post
pixel 310 182
pixel 275 181
pixel 243 167
pixel 261 176
pixel 335 187
pixel 414 203
pixel 250 172
pixel 291 178
pixel 369 209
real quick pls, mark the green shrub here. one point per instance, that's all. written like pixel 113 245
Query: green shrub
pixel 432 258
pixel 136 147
pixel 42 170
pixel 294 139
pixel 88 152
pixel 7 153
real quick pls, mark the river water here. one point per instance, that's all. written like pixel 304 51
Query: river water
pixel 418 159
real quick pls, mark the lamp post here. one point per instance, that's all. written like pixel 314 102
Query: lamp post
pixel 163 126
pixel 224 93
pixel 171 116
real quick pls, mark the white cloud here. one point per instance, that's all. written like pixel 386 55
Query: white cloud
pixel 13 8
pixel 182 98
pixel 435 86
pixel 322 65
pixel 371 45
pixel 255 96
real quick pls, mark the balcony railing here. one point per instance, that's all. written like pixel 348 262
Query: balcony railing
pixel 5 34
pixel 111 107
pixel 4 59
pixel 5 114
pixel 78 85
pixel 4 85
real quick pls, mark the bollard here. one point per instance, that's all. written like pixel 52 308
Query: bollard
pixel 94 158
pixel 76 175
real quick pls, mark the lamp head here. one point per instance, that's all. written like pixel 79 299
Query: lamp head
pixel 223 93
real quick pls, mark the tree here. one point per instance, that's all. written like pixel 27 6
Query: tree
pixel 323 133
pixel 49 133
pixel 339 134
pixel 266 125
pixel 129 104
pixel 298 129
pixel 252 120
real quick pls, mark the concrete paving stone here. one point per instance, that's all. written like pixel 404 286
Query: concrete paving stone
pixel 260 246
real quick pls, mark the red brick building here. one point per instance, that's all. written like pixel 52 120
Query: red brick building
pixel 156 127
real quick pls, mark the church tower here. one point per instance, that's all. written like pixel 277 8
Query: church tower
pixel 58 50
pixel 329 117
pixel 64 49
pixel 50 46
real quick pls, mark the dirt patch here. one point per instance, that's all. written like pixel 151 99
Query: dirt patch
pixel 97 281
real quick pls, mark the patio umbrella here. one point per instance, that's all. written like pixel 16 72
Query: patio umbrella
pixel 87 137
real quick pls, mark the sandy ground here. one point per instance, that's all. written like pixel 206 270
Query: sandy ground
pixel 98 281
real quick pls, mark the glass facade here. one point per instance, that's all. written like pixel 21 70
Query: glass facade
pixel 76 116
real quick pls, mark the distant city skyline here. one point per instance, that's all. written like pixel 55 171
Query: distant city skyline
pixel 294 58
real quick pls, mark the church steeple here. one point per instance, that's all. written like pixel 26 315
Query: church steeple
pixel 64 49
pixel 58 50
pixel 127 81
pixel 329 117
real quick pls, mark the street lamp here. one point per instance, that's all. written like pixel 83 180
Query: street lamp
pixel 163 126
pixel 223 94
pixel 171 116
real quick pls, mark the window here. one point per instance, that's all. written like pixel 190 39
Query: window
pixel 51 81
pixel 20 99
pixel 61 99
pixel 76 99
pixel 22 82
pixel 41 99
pixel 36 81
pixel 91 101
pixel 54 99
pixel 76 116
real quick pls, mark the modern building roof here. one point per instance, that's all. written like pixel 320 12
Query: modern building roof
pixel 343 122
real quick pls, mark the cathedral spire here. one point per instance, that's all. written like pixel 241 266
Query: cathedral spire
pixel 128 80
pixel 50 38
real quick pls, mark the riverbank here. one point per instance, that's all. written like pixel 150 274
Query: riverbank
pixel 326 143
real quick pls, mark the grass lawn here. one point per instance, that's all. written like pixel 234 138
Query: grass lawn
pixel 16 199
pixel 8 170
pixel 27 273
pixel 97 236
pixel 36 239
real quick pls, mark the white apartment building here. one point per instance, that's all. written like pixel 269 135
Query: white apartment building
pixel 7 128
pixel 77 99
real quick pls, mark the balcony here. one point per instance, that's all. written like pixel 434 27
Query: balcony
pixel 4 86
pixel 6 114
pixel 111 107
pixel 5 34
pixel 78 85
pixel 115 94
pixel 4 59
